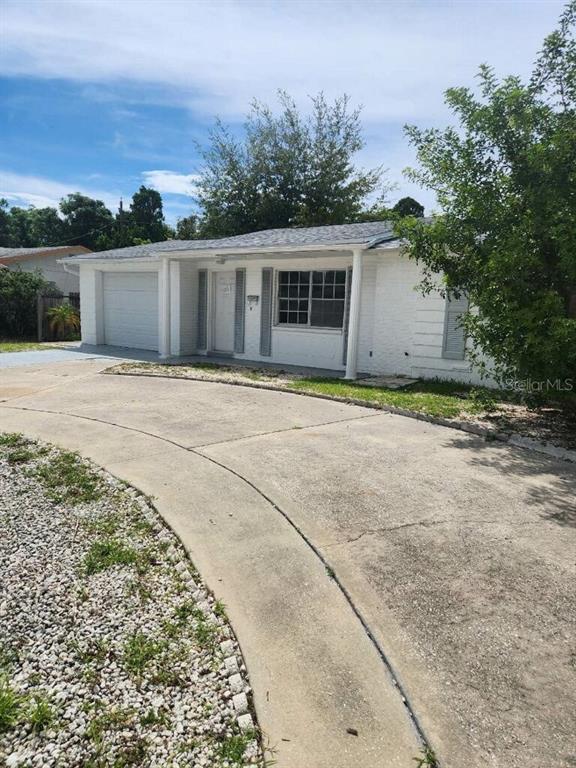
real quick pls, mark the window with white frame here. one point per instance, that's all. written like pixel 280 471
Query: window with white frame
pixel 314 299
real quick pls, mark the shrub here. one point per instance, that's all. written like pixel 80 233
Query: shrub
pixel 18 291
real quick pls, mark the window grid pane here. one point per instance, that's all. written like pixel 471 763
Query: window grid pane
pixel 312 298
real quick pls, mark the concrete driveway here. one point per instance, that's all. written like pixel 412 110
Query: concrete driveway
pixel 453 561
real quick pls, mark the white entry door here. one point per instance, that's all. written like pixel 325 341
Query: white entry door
pixel 224 298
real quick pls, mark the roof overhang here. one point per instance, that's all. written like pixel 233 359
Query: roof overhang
pixel 222 255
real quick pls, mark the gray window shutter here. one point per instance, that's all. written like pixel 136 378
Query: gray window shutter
pixel 454 345
pixel 346 315
pixel 266 313
pixel 202 342
pixel 239 310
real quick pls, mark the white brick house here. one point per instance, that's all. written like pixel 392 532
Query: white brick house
pixel 341 297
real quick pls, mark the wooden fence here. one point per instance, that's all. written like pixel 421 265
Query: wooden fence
pixel 44 303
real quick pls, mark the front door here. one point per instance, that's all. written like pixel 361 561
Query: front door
pixel 224 297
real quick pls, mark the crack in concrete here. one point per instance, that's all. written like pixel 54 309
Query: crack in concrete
pixel 423 524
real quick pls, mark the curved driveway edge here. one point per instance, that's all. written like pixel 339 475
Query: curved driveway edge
pixel 315 673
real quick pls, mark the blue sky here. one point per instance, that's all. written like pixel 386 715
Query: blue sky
pixel 100 96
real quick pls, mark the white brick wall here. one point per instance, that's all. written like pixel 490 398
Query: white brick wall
pixel 401 331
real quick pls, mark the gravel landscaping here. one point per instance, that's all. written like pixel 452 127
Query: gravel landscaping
pixel 112 652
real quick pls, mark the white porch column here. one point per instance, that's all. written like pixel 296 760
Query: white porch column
pixel 164 309
pixel 354 315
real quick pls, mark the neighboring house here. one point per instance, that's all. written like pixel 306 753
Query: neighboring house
pixel 337 297
pixel 47 261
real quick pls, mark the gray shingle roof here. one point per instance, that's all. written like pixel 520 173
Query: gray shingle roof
pixel 361 233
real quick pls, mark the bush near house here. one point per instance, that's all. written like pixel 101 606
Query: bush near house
pixel 18 291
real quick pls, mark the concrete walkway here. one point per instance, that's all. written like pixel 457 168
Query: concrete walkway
pixel 456 554
pixel 314 670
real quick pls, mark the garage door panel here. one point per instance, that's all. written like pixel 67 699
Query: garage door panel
pixel 131 309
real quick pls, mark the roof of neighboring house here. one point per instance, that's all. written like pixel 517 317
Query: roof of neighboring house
pixel 292 237
pixel 9 255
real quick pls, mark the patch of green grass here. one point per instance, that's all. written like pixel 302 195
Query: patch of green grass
pixel 40 713
pixel 140 650
pixel 106 553
pixel 21 456
pixel 233 747
pixel 67 479
pixel 12 439
pixel 220 609
pixel 107 721
pixel 21 346
pixel 436 398
pixel 187 609
pixel 10 706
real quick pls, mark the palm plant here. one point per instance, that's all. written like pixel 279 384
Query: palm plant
pixel 63 320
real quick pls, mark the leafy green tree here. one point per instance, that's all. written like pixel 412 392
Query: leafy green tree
pixel 46 226
pixel 407 206
pixel 506 184
pixel 20 228
pixel 286 170
pixel 187 228
pixel 87 221
pixel 146 218
pixel 18 291
pixel 5 241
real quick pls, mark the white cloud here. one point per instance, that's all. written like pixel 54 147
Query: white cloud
pixel 396 58
pixel 23 190
pixel 170 182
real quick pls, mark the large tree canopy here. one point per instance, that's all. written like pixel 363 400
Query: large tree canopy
pixel 286 170
pixel 85 221
pixel 505 180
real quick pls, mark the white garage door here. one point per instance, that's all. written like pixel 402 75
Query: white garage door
pixel 131 309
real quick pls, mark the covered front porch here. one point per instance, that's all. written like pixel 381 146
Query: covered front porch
pixel 287 309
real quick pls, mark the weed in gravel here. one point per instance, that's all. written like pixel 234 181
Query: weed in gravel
pixel 12 439
pixel 67 479
pixel 8 657
pixel 205 634
pixel 107 721
pixel 132 754
pixel 105 553
pixel 106 525
pixel 40 713
pixel 233 747
pixel 10 706
pixel 155 717
pixel 170 629
pixel 220 609
pixel 140 650
pixel 95 651
pixel 20 456
pixel 186 610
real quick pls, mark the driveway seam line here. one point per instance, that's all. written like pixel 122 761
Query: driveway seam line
pixel 332 574
pixel 280 431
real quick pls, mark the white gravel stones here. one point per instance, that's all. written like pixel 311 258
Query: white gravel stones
pixel 133 661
